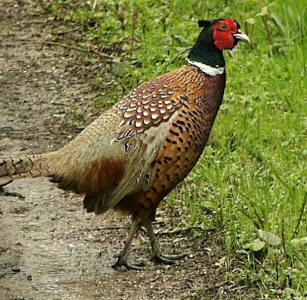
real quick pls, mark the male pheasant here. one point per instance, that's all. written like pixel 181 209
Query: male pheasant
pixel 136 152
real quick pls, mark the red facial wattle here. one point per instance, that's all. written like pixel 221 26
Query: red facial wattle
pixel 222 34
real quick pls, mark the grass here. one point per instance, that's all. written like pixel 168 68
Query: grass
pixel 250 184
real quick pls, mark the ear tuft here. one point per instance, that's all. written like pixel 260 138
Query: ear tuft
pixel 204 23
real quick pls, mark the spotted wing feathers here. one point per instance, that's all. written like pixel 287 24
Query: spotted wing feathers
pixel 149 105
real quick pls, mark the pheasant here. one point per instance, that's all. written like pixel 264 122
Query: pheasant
pixel 137 151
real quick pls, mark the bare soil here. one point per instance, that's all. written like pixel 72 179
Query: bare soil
pixel 49 247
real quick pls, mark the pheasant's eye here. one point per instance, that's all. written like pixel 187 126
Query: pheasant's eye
pixel 223 27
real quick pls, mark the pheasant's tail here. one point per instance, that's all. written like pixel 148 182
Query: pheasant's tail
pixel 39 165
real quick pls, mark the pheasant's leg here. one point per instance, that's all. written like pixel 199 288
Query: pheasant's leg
pixel 5 192
pixel 157 255
pixel 123 255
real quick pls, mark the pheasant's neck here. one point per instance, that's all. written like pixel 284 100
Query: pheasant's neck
pixel 206 57
pixel 210 103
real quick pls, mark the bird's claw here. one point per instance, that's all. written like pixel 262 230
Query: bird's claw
pixel 167 259
pixel 123 262
pixel 5 192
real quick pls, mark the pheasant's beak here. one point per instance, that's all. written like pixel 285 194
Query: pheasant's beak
pixel 242 37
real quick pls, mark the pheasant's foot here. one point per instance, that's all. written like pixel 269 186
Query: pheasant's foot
pixel 123 262
pixel 157 255
pixel 167 259
pixel 5 192
pixel 123 256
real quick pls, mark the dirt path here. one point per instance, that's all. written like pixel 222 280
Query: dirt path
pixel 49 247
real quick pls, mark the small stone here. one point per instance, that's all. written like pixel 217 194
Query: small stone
pixel 16 269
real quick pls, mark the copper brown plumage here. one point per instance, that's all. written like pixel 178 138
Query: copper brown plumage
pixel 136 152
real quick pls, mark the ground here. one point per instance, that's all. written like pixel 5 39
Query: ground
pixel 50 248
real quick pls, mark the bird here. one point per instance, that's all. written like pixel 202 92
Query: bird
pixel 137 151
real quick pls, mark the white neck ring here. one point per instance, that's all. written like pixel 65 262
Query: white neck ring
pixel 209 70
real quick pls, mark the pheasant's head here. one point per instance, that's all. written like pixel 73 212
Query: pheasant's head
pixel 217 35
pixel 225 33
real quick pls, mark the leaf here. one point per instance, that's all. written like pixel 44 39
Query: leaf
pixel 250 21
pixel 263 12
pixel 256 245
pixel 269 238
pixel 119 68
pixel 299 243
pixel 180 39
pixel 278 23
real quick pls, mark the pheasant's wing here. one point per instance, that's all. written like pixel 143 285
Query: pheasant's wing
pixel 90 163
pixel 112 157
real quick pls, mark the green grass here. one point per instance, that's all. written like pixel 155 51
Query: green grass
pixel 250 184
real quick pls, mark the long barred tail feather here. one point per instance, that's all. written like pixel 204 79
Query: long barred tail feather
pixel 26 166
